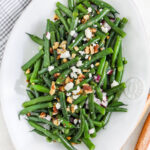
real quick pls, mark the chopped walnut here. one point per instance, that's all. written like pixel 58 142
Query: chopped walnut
pixel 69 100
pixel 56 45
pixel 58 57
pixel 56 121
pixel 102 48
pixel 62 88
pixel 85 70
pixel 97 64
pixel 87 50
pixel 67 80
pixel 77 81
pixel 65 60
pixel 68 138
pixel 86 17
pixel 51 50
pixel 56 75
pixel 108 37
pixel 96 48
pixel 93 30
pixel 68 108
pixel 76 48
pixel 42 114
pixel 97 12
pixel 53 88
pixel 27 71
pixel 87 89
pixel 91 49
pixel 72 108
pixel 63 45
pixel 73 55
pixel 60 51
pixel 89 58
pixel 81 77
pixel 56 17
pixel 28 114
pixel 55 111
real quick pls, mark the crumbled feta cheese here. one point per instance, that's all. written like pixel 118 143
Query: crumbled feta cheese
pixel 97 101
pixel 92 66
pixel 75 121
pixel 84 39
pixel 73 41
pixel 89 10
pixel 68 94
pixel 95 25
pixel 90 75
pixel 75 96
pixel 73 75
pixel 101 24
pixel 69 86
pixel 104 103
pixel 75 107
pixel 115 83
pixel 48 35
pixel 72 32
pixel 79 21
pixel 91 131
pixel 82 52
pixel 48 117
pixel 104 96
pixel 79 121
pixel 79 63
pixel 86 56
pixel 94 44
pixel 88 33
pixel 76 70
pixel 100 10
pixel 66 54
pixel 77 90
pixel 106 28
pixel 50 68
pixel 58 106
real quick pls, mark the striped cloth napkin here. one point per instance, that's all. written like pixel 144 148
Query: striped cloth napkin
pixel 10 10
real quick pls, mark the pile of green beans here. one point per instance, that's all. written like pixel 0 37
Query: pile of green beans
pixel 72 96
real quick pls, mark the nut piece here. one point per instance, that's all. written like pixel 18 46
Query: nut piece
pixel 56 17
pixel 81 77
pixel 93 30
pixel 96 48
pixel 76 48
pixel 56 121
pixel 58 57
pixel 72 108
pixel 67 80
pixel 28 114
pixel 51 50
pixel 61 88
pixel 89 58
pixel 108 37
pixel 97 64
pixel 27 71
pixel 63 45
pixel 102 48
pixel 55 111
pixel 65 60
pixel 73 55
pixel 69 138
pixel 56 75
pixel 86 17
pixel 87 50
pixel 77 81
pixel 97 12
pixel 68 108
pixel 56 45
pixel 85 70
pixel 42 114
pixel 69 100
pixel 87 88
pixel 53 88
pixel 91 49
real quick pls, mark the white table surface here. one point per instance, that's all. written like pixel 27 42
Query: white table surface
pixel 5 142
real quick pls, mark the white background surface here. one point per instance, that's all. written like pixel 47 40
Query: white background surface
pixel 5 143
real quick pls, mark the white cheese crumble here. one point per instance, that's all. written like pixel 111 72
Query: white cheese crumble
pixel 86 56
pixel 69 86
pixel 92 66
pixel 100 10
pixel 79 63
pixel 84 39
pixel 104 103
pixel 106 28
pixel 58 106
pixel 82 52
pixel 76 70
pixel 97 101
pixel 90 75
pixel 91 131
pixel 66 54
pixel 104 96
pixel 75 121
pixel 48 117
pixel 68 94
pixel 115 83
pixel 75 96
pixel 50 68
pixel 88 33
pixel 77 90
pixel 73 75
pixel 73 33
pixel 48 35
pixel 89 10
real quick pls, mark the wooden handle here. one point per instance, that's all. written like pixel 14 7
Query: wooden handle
pixel 144 139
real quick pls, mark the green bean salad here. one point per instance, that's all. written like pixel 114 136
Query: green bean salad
pixel 75 79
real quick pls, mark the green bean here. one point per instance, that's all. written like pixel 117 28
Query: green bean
pixel 69 21
pixel 110 98
pixel 93 40
pixel 118 95
pixel 101 66
pixel 86 130
pixel 36 39
pixel 114 27
pixel 43 130
pixel 80 99
pixel 32 61
pixel 47 81
pixel 91 106
pixel 66 123
pixel 105 82
pixel 88 143
pixel 81 129
pixel 103 74
pixel 116 89
pixel 64 66
pixel 64 9
pixel 93 20
pixel 30 94
pixel 97 56
pixel 35 71
pixel 60 80
pixel 98 124
pixel 113 76
pixel 40 99
pixel 77 41
pixel 39 132
pixel 59 14
pixel 35 107
pixel 103 4
pixel 117 104
pixel 99 93
pixel 82 9
pixel 65 142
pixel 100 109
pixel 71 4
pixel 44 70
pixel 123 23
pixel 63 105
pixel 116 109
pixel 40 88
pixel 36 93
pixel 62 32
pixel 99 117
